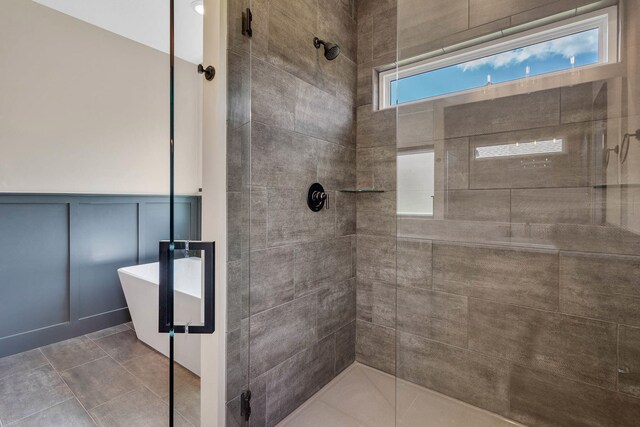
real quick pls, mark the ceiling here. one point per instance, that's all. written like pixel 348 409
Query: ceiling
pixel 144 21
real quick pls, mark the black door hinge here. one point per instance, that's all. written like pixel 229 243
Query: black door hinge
pixel 245 405
pixel 247 17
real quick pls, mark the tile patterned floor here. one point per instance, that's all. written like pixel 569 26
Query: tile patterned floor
pixel 107 378
pixel 365 397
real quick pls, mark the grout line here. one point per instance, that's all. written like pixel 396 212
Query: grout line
pixel 38 412
pixel 82 364
pixel 512 363
pixel 69 388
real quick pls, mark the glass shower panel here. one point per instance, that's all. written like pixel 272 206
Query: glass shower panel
pixel 192 260
pixel 239 200
pixel 517 299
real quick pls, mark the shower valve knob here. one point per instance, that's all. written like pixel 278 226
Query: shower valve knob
pixel 317 198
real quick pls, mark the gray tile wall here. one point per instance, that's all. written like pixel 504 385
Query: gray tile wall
pixel 521 295
pixel 291 276
pixel 376 222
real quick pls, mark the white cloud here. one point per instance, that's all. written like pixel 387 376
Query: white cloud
pixel 576 44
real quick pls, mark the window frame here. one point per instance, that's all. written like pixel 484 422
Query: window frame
pixel 605 20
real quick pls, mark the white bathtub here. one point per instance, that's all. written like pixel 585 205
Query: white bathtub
pixel 140 285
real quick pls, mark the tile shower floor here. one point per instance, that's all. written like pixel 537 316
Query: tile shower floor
pixel 365 397
pixel 107 378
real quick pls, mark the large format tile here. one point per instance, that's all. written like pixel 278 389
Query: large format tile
pixel 430 408
pixel 567 346
pixel 385 37
pixel 552 205
pixel 375 128
pixel 298 378
pixel 138 408
pixel 292 326
pixel 454 231
pixel 271 278
pixel 273 95
pixel 358 396
pixel 452 164
pixel 336 306
pixel 27 393
pixel 292 26
pixel 421 22
pixel 435 315
pixel 69 413
pixel 375 346
pixel 629 360
pixel 477 205
pixel 239 158
pixel 377 258
pixel 336 166
pixel 346 213
pixel 237 363
pixel 321 261
pixel 320 414
pixel 76 351
pixel 414 259
pixel 513 275
pixel 289 219
pixel 100 381
pixel 483 11
pixel 21 362
pixel 376 302
pixel 580 238
pixel 237 292
pixel 187 395
pixel 124 346
pixel 538 398
pixel 345 346
pixel 534 110
pixel 479 380
pixel 336 22
pixel 151 371
pixel 281 158
pixel 600 286
pixel 376 213
pixel 323 116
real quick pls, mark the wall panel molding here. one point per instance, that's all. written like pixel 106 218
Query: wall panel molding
pixel 58 270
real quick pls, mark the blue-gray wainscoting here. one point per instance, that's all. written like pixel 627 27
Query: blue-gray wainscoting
pixel 59 255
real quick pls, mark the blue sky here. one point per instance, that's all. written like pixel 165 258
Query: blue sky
pixel 541 58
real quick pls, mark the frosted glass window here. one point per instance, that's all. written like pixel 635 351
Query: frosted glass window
pixel 551 146
pixel 415 183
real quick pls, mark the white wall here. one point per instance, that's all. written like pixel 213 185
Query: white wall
pixel 214 208
pixel 83 110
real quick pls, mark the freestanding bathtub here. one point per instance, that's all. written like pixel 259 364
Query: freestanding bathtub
pixel 140 285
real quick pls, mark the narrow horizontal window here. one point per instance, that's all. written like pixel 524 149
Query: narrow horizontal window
pixel 579 42
pixel 532 148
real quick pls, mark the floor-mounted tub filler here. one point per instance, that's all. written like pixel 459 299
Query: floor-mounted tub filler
pixel 140 285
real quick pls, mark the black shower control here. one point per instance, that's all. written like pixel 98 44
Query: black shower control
pixel 317 198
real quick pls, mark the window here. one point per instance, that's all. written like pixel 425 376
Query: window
pixel 586 40
pixel 416 182
pixel 531 148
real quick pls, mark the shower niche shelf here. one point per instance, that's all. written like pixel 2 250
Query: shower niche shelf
pixel 361 190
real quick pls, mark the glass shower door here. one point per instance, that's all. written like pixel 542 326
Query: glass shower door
pixel 517 286
pixel 187 268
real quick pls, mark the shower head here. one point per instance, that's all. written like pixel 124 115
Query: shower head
pixel 331 51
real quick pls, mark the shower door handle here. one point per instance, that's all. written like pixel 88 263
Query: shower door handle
pixel 166 287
